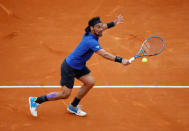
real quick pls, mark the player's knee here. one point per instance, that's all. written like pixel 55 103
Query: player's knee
pixel 65 93
pixel 90 83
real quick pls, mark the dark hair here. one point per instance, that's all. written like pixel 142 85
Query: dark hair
pixel 92 22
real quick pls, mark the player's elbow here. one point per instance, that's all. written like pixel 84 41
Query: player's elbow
pixel 102 52
pixel 105 55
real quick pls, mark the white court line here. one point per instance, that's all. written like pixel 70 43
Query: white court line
pixel 97 86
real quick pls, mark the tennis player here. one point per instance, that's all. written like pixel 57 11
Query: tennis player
pixel 74 66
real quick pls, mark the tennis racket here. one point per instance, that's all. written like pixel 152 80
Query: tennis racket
pixel 150 47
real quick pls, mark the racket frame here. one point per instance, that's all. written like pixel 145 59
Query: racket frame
pixel 141 49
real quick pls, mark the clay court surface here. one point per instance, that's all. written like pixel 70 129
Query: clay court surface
pixel 36 36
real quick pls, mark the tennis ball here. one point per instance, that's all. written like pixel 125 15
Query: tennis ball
pixel 144 60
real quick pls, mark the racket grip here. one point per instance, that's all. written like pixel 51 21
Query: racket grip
pixel 132 59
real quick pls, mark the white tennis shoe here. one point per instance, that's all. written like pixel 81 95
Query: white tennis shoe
pixel 33 106
pixel 76 110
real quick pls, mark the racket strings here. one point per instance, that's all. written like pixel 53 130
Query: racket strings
pixel 152 46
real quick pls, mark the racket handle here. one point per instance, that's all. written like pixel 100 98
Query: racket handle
pixel 132 59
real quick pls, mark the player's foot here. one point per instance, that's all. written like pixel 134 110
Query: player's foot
pixel 33 106
pixel 76 110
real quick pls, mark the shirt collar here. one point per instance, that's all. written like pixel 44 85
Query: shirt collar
pixel 96 38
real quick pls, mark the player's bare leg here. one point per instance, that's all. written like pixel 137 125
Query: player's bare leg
pixel 64 94
pixel 88 83
pixel 35 102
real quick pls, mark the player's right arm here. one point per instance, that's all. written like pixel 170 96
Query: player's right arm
pixel 110 56
pixel 118 20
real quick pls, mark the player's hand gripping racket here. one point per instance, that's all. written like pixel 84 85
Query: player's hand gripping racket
pixel 150 47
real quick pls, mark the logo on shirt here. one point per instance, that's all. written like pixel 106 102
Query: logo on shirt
pixel 98 46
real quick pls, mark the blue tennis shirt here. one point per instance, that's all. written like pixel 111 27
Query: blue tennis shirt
pixel 83 52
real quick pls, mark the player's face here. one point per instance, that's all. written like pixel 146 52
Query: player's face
pixel 98 28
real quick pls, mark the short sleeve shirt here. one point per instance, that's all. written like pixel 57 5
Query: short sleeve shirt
pixel 83 52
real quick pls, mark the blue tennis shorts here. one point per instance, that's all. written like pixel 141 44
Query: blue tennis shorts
pixel 68 74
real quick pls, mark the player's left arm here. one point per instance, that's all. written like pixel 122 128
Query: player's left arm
pixel 118 20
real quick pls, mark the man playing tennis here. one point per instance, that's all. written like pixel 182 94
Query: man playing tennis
pixel 74 66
